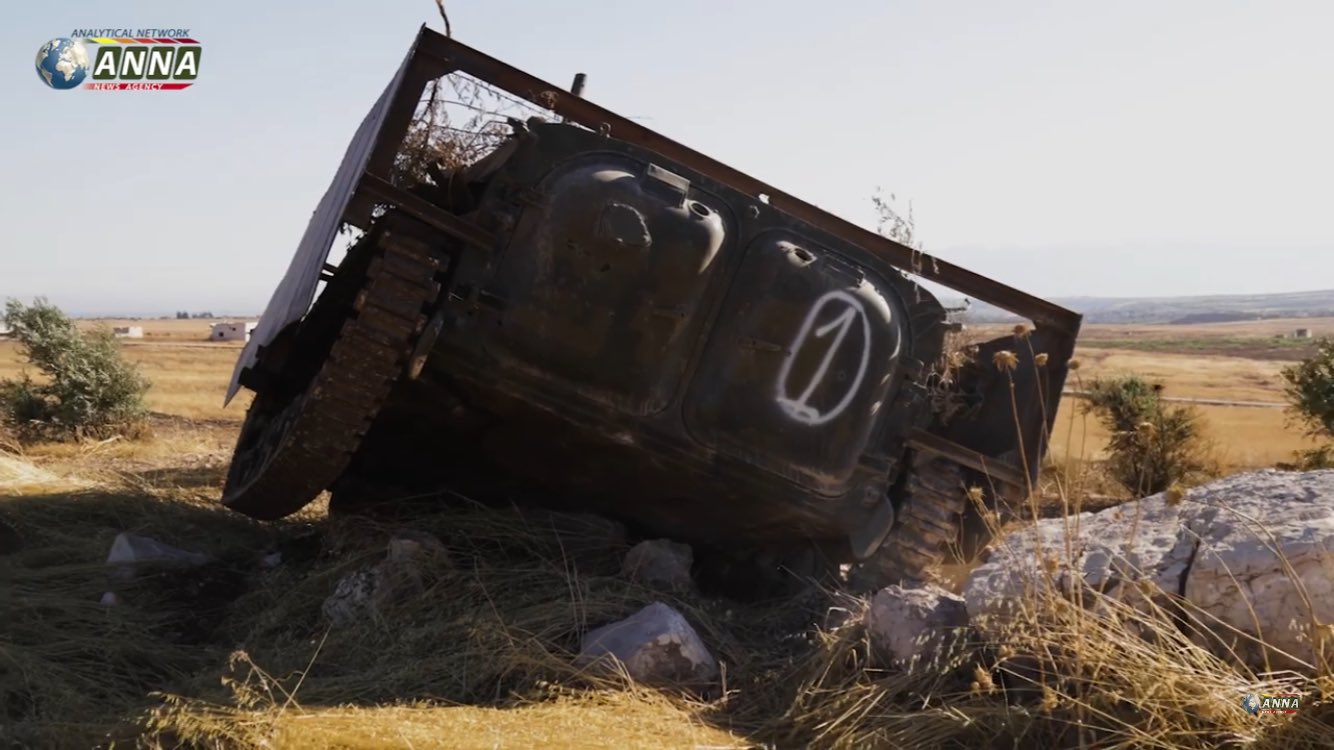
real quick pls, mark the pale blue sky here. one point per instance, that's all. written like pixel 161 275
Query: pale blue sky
pixel 1067 148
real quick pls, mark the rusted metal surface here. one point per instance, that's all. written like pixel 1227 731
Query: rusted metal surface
pixel 999 470
pixel 427 212
pixel 629 326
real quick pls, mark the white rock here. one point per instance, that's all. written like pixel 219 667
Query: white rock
pixel 1242 549
pixel 110 599
pixel 128 550
pixel 356 597
pixel 914 623
pixel 369 592
pixel 271 560
pixel 660 563
pixel 656 645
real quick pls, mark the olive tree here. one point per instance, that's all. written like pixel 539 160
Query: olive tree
pixel 86 387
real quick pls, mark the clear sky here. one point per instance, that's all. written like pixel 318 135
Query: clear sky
pixel 1067 148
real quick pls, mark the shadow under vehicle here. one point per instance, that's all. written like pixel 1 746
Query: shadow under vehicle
pixel 587 314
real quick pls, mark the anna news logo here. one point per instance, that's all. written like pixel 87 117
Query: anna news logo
pixel 1271 703
pixel 122 60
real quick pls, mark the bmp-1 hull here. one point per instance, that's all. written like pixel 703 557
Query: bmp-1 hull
pixel 590 315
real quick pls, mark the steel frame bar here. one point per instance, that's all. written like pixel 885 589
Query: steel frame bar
pixel 435 55
pixel 451 55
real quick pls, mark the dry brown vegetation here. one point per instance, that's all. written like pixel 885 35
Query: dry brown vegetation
pixel 238 656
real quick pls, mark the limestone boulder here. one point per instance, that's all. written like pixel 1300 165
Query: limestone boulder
pixel 1254 552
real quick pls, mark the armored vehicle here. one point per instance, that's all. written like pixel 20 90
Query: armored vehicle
pixel 584 313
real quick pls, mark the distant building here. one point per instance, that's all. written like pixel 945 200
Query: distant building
pixel 232 331
pixel 1302 333
pixel 128 332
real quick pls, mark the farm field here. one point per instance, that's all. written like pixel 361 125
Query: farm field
pixel 190 376
pixel 1213 361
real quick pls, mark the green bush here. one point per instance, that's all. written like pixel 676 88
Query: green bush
pixel 1153 445
pixel 1309 386
pixel 1310 390
pixel 87 390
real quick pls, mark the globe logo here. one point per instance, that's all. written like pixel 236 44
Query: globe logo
pixel 62 63
pixel 1250 703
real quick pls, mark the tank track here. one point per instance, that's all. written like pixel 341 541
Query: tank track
pixel 290 452
pixel 926 526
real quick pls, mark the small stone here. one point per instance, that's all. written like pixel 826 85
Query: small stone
pixel 128 550
pixel 907 623
pixel 271 560
pixel 416 547
pixel 354 598
pixel 656 645
pixel 400 576
pixel 110 599
pixel 660 563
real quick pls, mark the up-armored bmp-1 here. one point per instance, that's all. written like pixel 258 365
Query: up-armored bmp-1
pixel 591 315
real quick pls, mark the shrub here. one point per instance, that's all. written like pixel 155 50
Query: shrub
pixel 1153 445
pixel 1310 390
pixel 88 389
pixel 1311 459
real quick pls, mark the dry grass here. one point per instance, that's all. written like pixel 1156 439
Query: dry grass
pixel 235 656
pixel 624 718
pixel 1210 377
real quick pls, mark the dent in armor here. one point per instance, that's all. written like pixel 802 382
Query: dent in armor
pixel 604 280
pixel 771 391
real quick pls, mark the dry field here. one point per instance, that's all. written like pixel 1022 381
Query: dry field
pixel 189 373
pixel 237 656
pixel 190 376
pixel 1217 361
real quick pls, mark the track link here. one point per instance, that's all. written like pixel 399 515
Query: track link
pixel 926 526
pixel 290 452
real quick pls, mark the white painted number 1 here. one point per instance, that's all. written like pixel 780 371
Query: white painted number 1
pixel 799 408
